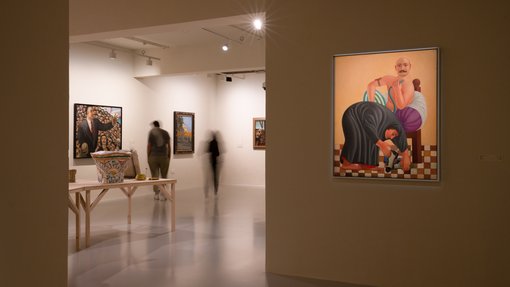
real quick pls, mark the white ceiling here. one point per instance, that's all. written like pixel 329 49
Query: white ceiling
pixel 237 29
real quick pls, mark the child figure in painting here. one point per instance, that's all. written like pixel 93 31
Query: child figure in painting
pixel 103 143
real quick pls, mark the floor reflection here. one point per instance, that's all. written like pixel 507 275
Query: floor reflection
pixel 219 241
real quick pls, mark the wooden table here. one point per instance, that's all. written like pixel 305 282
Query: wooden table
pixel 128 187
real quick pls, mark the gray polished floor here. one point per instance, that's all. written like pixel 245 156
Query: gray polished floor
pixel 218 242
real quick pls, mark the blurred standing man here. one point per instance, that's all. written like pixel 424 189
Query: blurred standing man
pixel 214 153
pixel 158 154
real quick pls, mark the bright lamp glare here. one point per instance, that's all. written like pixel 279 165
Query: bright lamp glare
pixel 257 24
pixel 224 47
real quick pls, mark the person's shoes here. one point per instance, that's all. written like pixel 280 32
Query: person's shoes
pixel 156 196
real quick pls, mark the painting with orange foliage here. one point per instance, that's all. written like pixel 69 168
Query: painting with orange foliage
pixel 184 132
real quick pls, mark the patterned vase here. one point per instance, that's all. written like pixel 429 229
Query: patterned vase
pixel 111 165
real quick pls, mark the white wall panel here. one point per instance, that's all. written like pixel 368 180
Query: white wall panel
pixel 237 103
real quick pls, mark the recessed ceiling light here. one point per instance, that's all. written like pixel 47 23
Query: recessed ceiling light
pixel 257 24
pixel 225 47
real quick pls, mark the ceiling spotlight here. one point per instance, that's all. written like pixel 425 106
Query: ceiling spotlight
pixel 225 47
pixel 113 55
pixel 257 24
pixel 149 62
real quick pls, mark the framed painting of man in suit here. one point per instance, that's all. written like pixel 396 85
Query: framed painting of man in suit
pixel 386 115
pixel 96 128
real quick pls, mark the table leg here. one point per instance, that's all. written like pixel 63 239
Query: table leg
pixel 78 221
pixel 129 191
pixel 172 195
pixel 129 206
pixel 87 218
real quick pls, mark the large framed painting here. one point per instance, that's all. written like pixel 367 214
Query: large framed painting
pixel 184 132
pixel 386 108
pixel 96 128
pixel 259 133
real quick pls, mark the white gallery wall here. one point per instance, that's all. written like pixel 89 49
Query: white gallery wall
pixel 237 103
pixel 96 79
pixel 184 93
pixel 228 107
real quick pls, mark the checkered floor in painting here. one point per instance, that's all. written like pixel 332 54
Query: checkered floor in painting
pixel 426 170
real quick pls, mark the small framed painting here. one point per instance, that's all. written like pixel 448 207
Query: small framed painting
pixel 259 133
pixel 184 132
pixel 386 108
pixel 96 128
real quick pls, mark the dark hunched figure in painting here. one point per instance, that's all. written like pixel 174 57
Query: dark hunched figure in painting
pixel 367 126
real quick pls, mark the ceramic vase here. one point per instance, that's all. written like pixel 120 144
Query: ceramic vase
pixel 111 165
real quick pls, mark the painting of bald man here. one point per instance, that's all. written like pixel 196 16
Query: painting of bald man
pixel 401 87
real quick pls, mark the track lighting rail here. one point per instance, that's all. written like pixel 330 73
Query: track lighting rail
pixel 147 42
pixel 122 49
pixel 222 36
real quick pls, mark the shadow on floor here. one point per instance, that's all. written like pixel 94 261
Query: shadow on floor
pixel 274 280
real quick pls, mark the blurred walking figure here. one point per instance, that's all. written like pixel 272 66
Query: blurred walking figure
pixel 158 154
pixel 214 153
